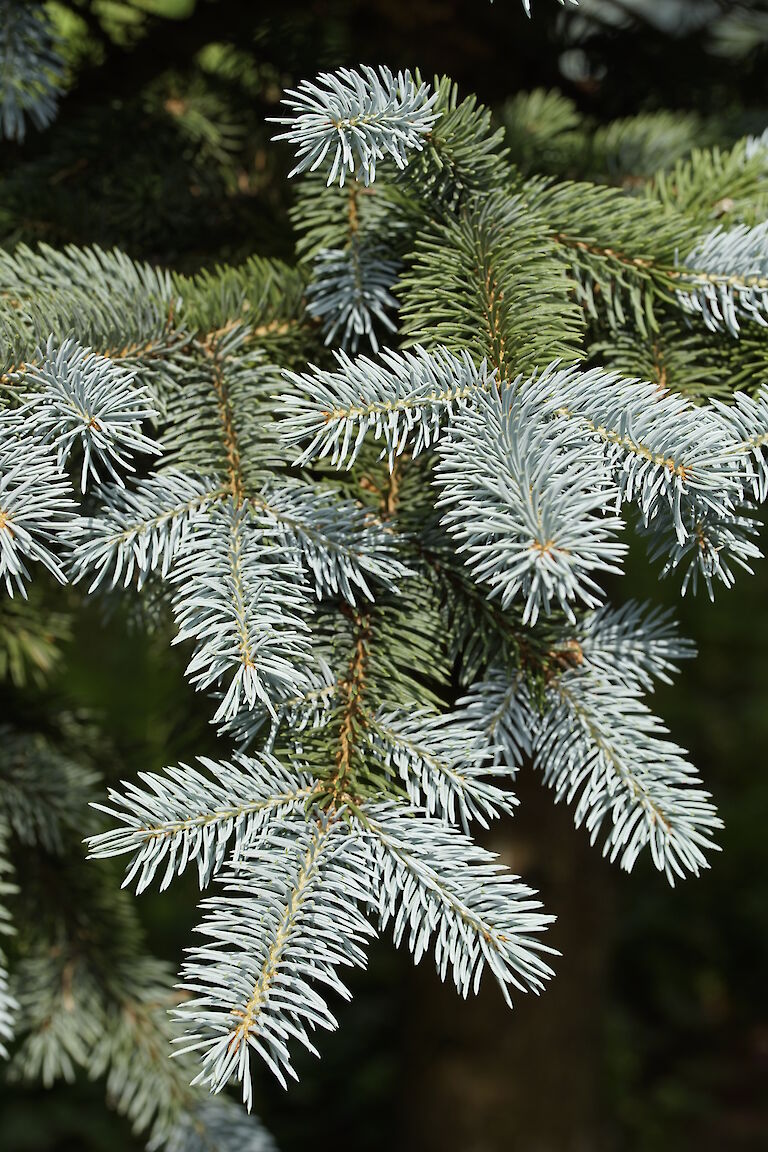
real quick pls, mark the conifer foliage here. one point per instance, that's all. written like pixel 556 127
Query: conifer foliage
pixel 31 68
pixel 379 493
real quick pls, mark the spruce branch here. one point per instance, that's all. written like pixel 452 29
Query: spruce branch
pixel 352 692
pixel 598 744
pixel 621 252
pixel 490 281
pixel 463 155
pixel 261 300
pixel 441 535
pixel 665 453
pixel 528 503
pixel 140 530
pixel 218 412
pixel 189 815
pixel 544 130
pixel 130 1053
pixel 288 921
pixel 711 183
pixel 36 507
pixel 635 643
pixel 87 401
pixel 500 706
pixel 724 278
pixel 241 601
pixel 445 762
pixel 122 308
pixel 60 1002
pixel 357 118
pixel 341 544
pixel 676 358
pixel 746 424
pixel 93 1000
pixel 439 888
pixel 83 964
pixel 713 546
pixel 336 218
pixel 403 398
pixel 350 290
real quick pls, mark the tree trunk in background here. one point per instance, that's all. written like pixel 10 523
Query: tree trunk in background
pixel 479 1078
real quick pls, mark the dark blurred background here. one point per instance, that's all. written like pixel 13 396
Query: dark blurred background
pixel 654 1035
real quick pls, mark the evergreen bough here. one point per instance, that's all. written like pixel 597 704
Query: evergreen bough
pixel 385 567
